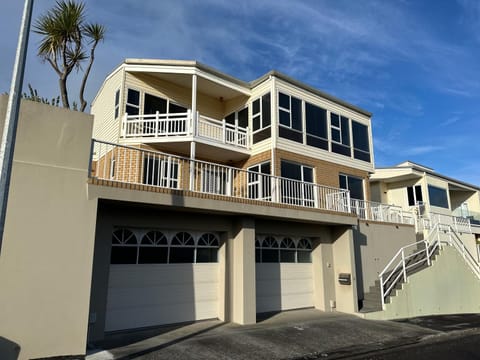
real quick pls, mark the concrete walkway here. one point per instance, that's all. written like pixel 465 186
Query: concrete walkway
pixel 300 334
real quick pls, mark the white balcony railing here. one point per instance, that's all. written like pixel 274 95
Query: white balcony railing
pixel 136 166
pixel 374 211
pixel 156 126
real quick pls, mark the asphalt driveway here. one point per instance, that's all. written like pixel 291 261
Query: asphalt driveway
pixel 300 334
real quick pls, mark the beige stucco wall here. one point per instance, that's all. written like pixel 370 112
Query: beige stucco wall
pixel 46 258
pixel 375 245
pixel 447 287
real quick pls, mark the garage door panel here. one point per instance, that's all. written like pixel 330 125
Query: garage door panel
pixel 147 295
pixel 137 317
pixel 283 286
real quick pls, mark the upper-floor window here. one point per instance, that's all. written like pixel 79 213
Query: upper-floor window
pixel 300 192
pixel 316 126
pixel 290 117
pixel 414 195
pixel 117 103
pixel 437 196
pixel 353 184
pixel 153 104
pixel 133 102
pixel 239 118
pixel 261 118
pixel 340 134
pixel 259 186
pixel 361 144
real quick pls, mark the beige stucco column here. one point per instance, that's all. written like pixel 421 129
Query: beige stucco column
pixel 241 273
pixel 323 276
pixel 344 262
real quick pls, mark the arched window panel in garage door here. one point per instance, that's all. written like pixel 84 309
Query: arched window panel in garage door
pixel 153 248
pixel 124 247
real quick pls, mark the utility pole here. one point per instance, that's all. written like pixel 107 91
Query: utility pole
pixel 11 119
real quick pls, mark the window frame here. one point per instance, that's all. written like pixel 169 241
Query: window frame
pixel 117 104
pixel 347 177
pixel 259 182
pixel 140 234
pixel 137 106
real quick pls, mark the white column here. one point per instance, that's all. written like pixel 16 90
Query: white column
pixel 192 166
pixel 194 102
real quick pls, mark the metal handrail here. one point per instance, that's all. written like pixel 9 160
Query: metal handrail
pixel 432 242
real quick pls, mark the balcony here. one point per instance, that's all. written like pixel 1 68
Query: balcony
pixel 171 127
pixel 129 165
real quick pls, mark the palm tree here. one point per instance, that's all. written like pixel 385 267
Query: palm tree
pixel 63 32
pixel 96 33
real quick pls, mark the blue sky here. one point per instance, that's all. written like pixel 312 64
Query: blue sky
pixel 413 64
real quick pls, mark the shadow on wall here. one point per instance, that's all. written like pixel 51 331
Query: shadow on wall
pixel 359 240
pixel 9 350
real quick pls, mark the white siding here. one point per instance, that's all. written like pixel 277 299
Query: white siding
pixel 149 295
pixel 284 286
pixel 105 126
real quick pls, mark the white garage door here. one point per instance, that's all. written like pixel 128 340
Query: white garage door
pixel 157 277
pixel 148 295
pixel 284 274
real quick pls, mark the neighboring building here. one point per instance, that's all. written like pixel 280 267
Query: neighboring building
pixel 202 196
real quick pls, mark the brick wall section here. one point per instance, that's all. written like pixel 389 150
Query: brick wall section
pixel 157 189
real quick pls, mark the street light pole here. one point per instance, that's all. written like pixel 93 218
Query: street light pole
pixel 11 119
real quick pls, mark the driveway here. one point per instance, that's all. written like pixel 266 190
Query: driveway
pixel 300 334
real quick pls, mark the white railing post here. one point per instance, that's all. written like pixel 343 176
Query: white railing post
pixel 229 182
pixel 247 137
pixel 157 120
pixel 224 131
pixel 235 135
pixel 403 266
pixel 124 125
pixel 382 293
pixel 349 205
pixel 427 251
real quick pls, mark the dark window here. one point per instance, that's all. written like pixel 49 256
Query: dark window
pixel 133 102
pixel 414 195
pixel 297 193
pixel 153 248
pixel 124 255
pixel 261 117
pixel 239 118
pixel 269 250
pixel 153 255
pixel 361 145
pixel 174 108
pixel 354 184
pixel 243 118
pixel 259 186
pixel 290 113
pixel 438 196
pixel 181 255
pixel 304 251
pixel 340 134
pixel 206 255
pixel 160 172
pixel 230 119
pixel 152 104
pixel 287 251
pixel 316 126
pixel 124 247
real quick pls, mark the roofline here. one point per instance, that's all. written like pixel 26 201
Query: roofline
pixel 308 88
pixel 249 85
pixel 431 172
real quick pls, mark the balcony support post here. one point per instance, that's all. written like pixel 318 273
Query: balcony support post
pixel 192 166
pixel 194 104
